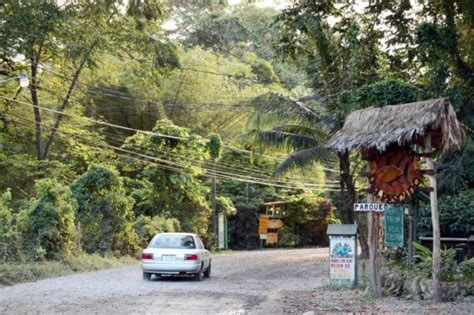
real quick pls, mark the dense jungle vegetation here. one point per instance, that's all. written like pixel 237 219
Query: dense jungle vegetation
pixel 111 141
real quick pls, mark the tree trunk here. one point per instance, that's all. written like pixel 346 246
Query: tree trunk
pixel 435 220
pixel 347 183
pixel 36 110
pixel 64 105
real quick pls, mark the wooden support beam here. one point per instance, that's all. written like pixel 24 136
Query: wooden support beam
pixel 427 190
pixel 435 221
pixel 423 154
pixel 374 259
pixel 428 172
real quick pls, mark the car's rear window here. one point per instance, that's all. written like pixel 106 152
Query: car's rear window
pixel 174 241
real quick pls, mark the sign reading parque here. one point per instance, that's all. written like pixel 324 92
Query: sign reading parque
pixel 376 207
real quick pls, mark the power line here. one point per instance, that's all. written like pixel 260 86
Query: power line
pixel 172 164
pixel 138 130
pixel 224 170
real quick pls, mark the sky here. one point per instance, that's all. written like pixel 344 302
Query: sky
pixel 277 4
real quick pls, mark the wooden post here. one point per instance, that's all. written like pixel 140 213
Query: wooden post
pixel 435 220
pixel 373 226
pixel 410 234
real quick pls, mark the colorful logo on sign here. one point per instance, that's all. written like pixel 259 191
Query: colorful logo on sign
pixel 342 250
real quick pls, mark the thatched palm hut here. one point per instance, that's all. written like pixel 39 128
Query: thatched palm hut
pixel 379 128
pixel 430 124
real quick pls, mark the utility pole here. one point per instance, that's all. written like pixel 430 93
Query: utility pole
pixel 215 150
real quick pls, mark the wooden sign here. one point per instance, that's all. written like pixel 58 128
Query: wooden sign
pixel 393 222
pixel 376 207
pixel 263 224
pixel 275 224
pixel 272 238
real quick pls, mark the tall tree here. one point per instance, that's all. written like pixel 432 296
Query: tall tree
pixel 72 34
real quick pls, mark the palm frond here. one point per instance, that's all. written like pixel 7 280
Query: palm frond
pixel 302 159
pixel 281 106
pixel 303 131
pixel 281 139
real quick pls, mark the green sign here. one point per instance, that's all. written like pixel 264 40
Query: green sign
pixel 394 226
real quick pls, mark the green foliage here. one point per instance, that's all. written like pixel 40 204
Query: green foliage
pixel 456 170
pixel 225 204
pixel 449 266
pixel 286 237
pixel 104 212
pixel 146 227
pixel 308 217
pixel 47 224
pixel 166 192
pixel 215 146
pixel 17 272
pixel 385 92
pixel 243 227
pixel 7 228
pixel 264 71
pixel 455 212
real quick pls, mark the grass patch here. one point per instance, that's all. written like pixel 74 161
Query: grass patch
pixel 16 272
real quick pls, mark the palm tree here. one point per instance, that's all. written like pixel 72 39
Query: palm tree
pixel 283 123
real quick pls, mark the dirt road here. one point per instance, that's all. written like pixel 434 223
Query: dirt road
pixel 257 282
pixel 240 283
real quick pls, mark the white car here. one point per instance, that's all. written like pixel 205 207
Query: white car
pixel 176 254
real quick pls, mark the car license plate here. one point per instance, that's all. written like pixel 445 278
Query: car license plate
pixel 169 257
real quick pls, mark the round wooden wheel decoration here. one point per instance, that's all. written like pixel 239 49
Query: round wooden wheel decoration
pixel 394 176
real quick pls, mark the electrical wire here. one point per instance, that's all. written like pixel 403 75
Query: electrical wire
pixel 138 130
pixel 172 164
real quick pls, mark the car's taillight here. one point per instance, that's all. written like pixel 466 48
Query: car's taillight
pixel 147 256
pixel 190 257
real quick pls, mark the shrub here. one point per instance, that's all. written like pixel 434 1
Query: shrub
pixel 146 227
pixel 104 212
pixel 47 223
pixel 7 231
pixel 455 214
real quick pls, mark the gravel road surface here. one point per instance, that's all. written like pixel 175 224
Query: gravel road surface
pixel 257 282
pixel 241 283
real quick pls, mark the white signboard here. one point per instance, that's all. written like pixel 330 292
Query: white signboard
pixel 377 207
pixel 221 230
pixel 342 252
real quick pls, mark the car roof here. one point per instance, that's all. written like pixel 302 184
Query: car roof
pixel 173 233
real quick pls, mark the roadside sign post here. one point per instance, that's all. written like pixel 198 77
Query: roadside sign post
pixel 393 225
pixel 263 228
pixel 221 231
pixel 374 211
pixel 342 254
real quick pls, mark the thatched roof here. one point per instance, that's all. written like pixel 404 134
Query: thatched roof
pixel 379 128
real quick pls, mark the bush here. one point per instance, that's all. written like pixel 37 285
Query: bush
pixel 308 216
pixel 7 230
pixel 286 237
pixel 146 227
pixel 47 224
pixel 455 215
pixel 243 227
pixel 105 212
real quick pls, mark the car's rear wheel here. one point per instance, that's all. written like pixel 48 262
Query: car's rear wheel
pixel 207 273
pixel 146 276
pixel 198 276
